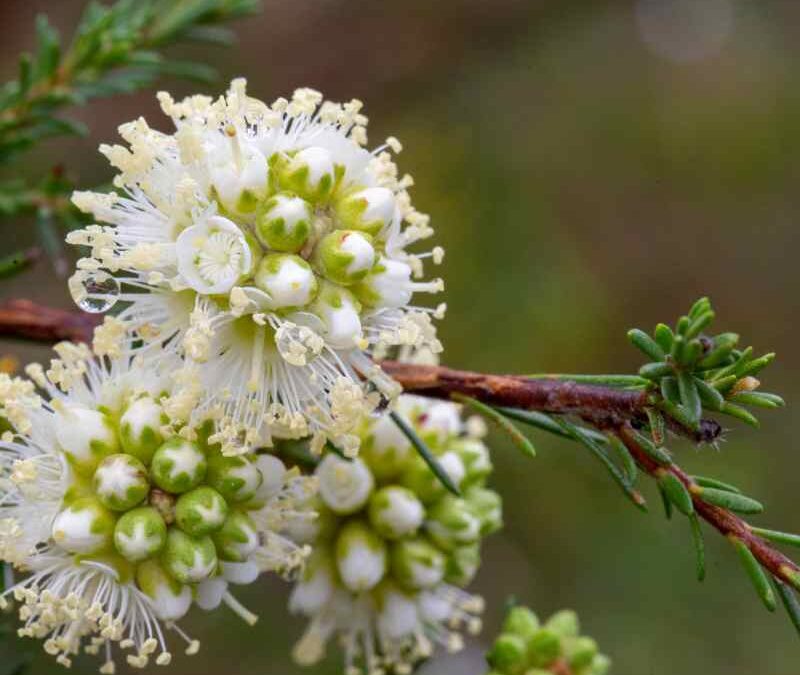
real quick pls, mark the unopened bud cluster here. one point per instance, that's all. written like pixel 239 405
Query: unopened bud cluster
pixel 528 647
pixel 393 545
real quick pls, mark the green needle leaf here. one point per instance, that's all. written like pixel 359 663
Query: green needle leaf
pixel 699 546
pixel 646 344
pixel 759 398
pixel 517 437
pixel 790 603
pixel 689 396
pixel 708 394
pixel 779 537
pixel 666 502
pixel 704 481
pixel 606 380
pixel 676 492
pixel 544 422
pixel 625 458
pixel 740 413
pixel 425 452
pixel 756 573
pixel 655 452
pixel 664 337
pixel 731 501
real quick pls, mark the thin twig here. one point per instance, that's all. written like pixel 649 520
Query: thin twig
pixel 29 320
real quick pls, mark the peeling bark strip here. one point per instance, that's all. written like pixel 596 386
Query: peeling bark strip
pixel 26 319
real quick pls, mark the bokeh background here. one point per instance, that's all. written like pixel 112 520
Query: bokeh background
pixel 590 165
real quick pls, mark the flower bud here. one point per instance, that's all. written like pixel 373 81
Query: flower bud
pixel 600 666
pixel 237 538
pixel 441 420
pixel 339 311
pixel 86 436
pixel 564 623
pixel 140 534
pixel 415 564
pixel 208 593
pixel 284 223
pixel 398 617
pixel 344 486
pixel 241 181
pixel 463 564
pixel 212 255
pixel 418 477
pixel 388 284
pixel 475 456
pixel 85 526
pixel 395 512
pixel 311 173
pixel 369 210
pixel 273 474
pixel 580 652
pixel 508 654
pixel 522 622
pixel 345 256
pixel 139 428
pixel 451 523
pixel 385 449
pixel 237 479
pixel 244 573
pixel 120 482
pixel 287 279
pixel 487 507
pixel 360 557
pixel 189 559
pixel 170 599
pixel 200 511
pixel 316 585
pixel 178 465
pixel 544 648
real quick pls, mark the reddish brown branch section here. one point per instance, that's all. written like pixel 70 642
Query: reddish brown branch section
pixel 723 520
pixel 26 319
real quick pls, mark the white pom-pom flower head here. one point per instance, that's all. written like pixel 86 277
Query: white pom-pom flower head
pixel 119 509
pixel 267 245
pixel 392 549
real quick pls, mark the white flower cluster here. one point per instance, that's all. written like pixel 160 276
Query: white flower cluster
pixel 122 513
pixel 393 549
pixel 266 246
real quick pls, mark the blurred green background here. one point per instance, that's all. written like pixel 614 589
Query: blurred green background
pixel 590 165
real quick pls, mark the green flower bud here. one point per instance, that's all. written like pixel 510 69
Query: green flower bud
pixel 340 313
pixel 345 256
pixel 544 648
pixel 487 506
pixel 237 479
pixel 418 477
pixel 344 486
pixel 86 436
pixel 369 210
pixel 360 557
pixel 171 599
pixel 475 456
pixel 85 526
pixel 140 428
pixel 287 279
pixel 580 652
pixel 189 559
pixel 385 449
pixel 121 482
pixel 508 654
pixel 140 534
pixel 451 523
pixel 284 223
pixel 416 564
pixel 395 512
pixel 521 622
pixel 600 666
pixel 201 511
pixel 463 564
pixel 178 465
pixel 564 623
pixel 237 539
pixel 311 173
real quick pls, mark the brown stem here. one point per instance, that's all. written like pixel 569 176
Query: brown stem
pixel 25 319
pixel 725 521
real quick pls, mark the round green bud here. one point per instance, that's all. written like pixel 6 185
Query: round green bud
pixel 345 256
pixel 369 210
pixel 120 482
pixel 451 523
pixel 311 173
pixel 385 449
pixel 360 556
pixel 170 599
pixel 419 478
pixel 463 564
pixel 189 559
pixel 522 622
pixel 284 223
pixel 395 512
pixel 140 428
pixel 600 666
pixel 580 652
pixel 488 508
pixel 544 648
pixel 416 564
pixel 201 511
pixel 475 456
pixel 237 479
pixel 178 465
pixel 86 436
pixel 85 526
pixel 287 279
pixel 564 623
pixel 508 654
pixel 237 538
pixel 140 534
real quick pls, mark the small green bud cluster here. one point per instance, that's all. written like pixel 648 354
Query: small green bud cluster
pixel 527 647
pixel 162 510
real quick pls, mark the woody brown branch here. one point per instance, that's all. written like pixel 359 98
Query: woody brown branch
pixel 29 320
